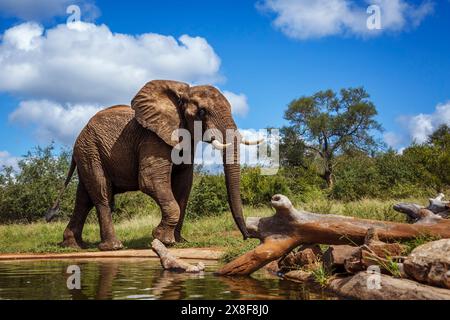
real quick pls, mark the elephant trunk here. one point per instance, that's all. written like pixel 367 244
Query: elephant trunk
pixel 233 181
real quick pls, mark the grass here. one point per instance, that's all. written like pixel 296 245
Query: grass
pixel 211 231
pixel 418 241
pixel 135 233
pixel 321 275
pixel 366 208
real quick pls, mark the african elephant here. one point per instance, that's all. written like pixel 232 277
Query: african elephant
pixel 127 149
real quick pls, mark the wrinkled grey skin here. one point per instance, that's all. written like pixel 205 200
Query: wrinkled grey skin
pixel 126 149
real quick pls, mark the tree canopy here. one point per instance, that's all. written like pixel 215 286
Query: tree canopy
pixel 329 124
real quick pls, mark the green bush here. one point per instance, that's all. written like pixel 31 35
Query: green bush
pixel 209 193
pixel 257 190
pixel 304 185
pixel 356 178
pixel 208 196
pixel 132 204
pixel 26 195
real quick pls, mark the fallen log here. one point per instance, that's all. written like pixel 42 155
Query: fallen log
pixel 170 262
pixel 362 286
pixel 417 212
pixel 336 256
pixel 288 228
pixel 351 259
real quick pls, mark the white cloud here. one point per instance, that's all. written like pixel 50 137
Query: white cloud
pixel 39 10
pixel 52 120
pixel 7 160
pixel 90 64
pixel 239 103
pixel 65 74
pixel 305 19
pixel 419 127
pixel 392 139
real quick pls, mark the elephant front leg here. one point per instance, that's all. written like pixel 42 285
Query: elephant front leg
pixel 181 188
pixel 155 180
pixel 165 231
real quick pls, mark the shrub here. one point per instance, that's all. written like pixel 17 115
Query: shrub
pixel 28 193
pixel 208 196
pixel 257 190
pixel 356 177
pixel 132 204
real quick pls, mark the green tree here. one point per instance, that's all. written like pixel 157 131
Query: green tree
pixel 441 137
pixel 329 125
pixel 26 195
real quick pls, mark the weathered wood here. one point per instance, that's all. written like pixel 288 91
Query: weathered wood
pixel 271 249
pixel 288 228
pixel 430 263
pixel 170 262
pixel 361 286
pixel 376 252
pixel 335 257
pixel 310 227
pixel 415 212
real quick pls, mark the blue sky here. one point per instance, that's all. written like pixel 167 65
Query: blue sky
pixel 262 54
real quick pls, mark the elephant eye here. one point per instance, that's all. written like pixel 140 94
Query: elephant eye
pixel 201 113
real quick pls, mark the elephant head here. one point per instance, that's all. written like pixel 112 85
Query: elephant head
pixel 165 106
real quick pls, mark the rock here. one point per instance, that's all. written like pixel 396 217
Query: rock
pixel 354 264
pixel 299 276
pixel 369 286
pixel 305 255
pixel 430 263
pixel 272 267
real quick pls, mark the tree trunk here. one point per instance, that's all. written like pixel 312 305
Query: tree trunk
pixel 417 212
pixel 328 176
pixel 289 228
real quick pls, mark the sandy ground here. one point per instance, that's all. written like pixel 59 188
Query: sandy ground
pixel 185 253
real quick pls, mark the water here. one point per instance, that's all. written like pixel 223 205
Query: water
pixel 137 279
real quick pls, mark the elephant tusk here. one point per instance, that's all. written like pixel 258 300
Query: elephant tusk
pixel 220 146
pixel 252 142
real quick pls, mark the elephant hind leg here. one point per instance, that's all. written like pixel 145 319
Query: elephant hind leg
pixel 73 233
pixel 107 233
pixel 101 192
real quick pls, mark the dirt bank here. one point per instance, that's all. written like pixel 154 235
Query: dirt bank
pixel 185 253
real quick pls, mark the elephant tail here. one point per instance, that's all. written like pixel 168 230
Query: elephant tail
pixel 53 211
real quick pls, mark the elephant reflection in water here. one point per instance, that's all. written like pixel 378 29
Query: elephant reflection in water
pixel 107 273
pixel 167 285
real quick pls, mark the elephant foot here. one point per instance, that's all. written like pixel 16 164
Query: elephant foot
pixel 179 238
pixel 110 245
pixel 72 243
pixel 165 235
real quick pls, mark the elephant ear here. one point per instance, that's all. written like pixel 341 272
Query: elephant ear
pixel 157 105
